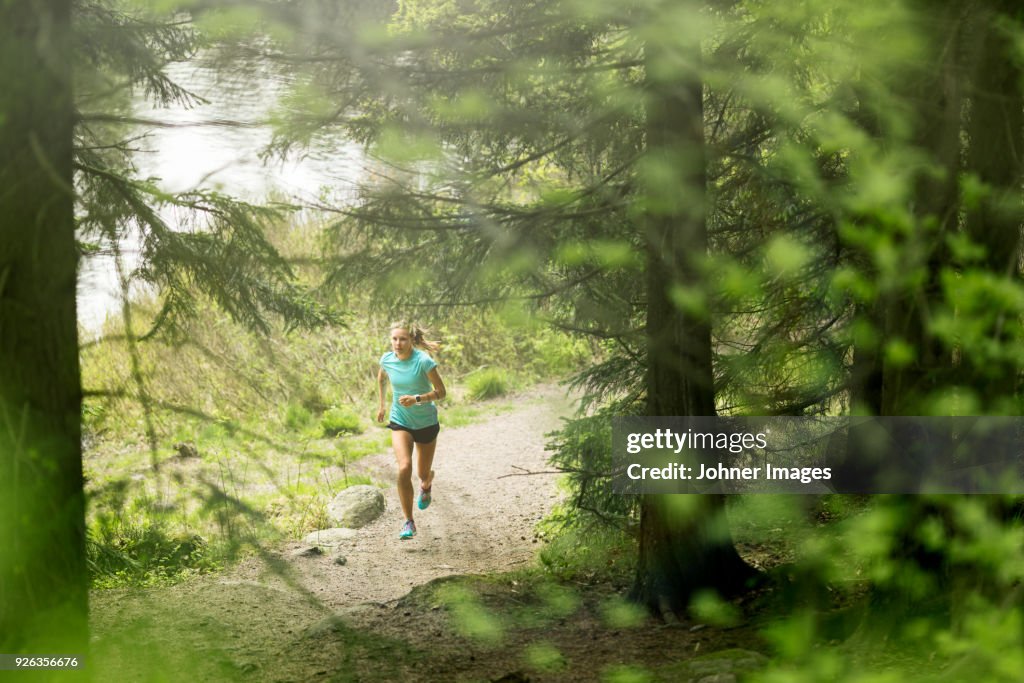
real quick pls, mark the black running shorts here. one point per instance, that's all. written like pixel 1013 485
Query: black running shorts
pixel 425 435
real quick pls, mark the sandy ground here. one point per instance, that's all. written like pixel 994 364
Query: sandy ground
pixel 261 619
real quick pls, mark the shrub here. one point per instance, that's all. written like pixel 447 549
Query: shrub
pixel 555 353
pixel 146 554
pixel 340 421
pixel 582 447
pixel 297 417
pixel 488 383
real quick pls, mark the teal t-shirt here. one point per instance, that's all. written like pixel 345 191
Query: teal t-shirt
pixel 409 376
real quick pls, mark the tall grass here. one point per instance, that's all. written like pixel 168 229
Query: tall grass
pixel 488 383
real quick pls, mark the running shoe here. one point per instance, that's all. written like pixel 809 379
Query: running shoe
pixel 408 530
pixel 423 500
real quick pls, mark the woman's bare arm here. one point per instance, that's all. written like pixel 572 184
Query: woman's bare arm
pixel 381 379
pixel 439 391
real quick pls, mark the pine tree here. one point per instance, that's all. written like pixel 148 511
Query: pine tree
pixel 42 505
pixel 67 73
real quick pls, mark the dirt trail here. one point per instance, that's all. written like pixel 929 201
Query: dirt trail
pixel 255 618
pixel 480 520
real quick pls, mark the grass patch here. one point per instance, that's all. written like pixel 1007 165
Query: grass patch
pixel 351 449
pixel 340 420
pixel 592 554
pixel 237 492
pixel 488 383
pixel 297 417
pixel 147 554
pixel 462 414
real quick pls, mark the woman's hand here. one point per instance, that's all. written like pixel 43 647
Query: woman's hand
pixel 407 400
pixel 380 415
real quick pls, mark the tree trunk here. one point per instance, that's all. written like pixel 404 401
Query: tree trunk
pixel 43 583
pixel 685 545
pixel 935 95
pixel 995 153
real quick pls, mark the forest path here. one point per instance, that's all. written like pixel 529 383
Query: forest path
pixel 480 520
pixel 261 619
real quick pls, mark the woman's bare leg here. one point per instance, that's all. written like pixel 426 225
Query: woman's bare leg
pixel 402 443
pixel 424 461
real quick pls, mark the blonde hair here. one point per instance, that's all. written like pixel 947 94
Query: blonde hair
pixel 418 334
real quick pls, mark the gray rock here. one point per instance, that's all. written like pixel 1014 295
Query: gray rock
pixel 186 449
pixel 330 537
pixel 340 560
pixel 356 506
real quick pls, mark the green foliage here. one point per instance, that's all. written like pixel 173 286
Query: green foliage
pixel 710 608
pixel 619 613
pixel 340 420
pixel 626 673
pixel 125 554
pixel 540 352
pixel 544 657
pixel 297 417
pixel 472 620
pixel 582 448
pixel 554 354
pixel 558 601
pixel 590 554
pixel 488 383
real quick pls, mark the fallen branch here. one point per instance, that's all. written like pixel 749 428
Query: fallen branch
pixel 523 472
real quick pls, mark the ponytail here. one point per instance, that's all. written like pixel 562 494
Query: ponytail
pixel 418 334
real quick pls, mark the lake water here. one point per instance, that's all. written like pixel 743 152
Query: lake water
pixel 193 150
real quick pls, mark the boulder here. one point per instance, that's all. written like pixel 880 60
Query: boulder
pixel 186 449
pixel 356 506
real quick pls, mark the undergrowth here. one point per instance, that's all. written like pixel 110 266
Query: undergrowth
pixel 488 383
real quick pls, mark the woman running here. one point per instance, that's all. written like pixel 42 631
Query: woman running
pixel 415 385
